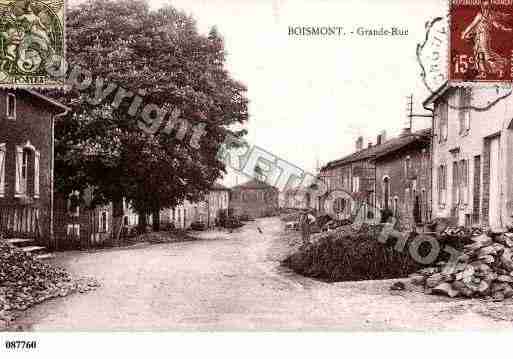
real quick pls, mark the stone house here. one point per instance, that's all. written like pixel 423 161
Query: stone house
pixel 353 174
pixel 27 164
pixel 255 199
pixel 206 211
pixel 298 198
pixel 403 177
pixel 472 151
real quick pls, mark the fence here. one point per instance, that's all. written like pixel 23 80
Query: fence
pixel 20 221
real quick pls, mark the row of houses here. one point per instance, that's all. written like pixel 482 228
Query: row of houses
pixel 459 169
pixel 30 208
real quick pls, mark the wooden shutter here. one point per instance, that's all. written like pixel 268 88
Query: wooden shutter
pixel 19 165
pixel 2 169
pixel 464 181
pixel 441 200
pixel 455 183
pixel 37 157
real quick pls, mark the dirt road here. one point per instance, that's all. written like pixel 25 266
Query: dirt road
pixel 234 282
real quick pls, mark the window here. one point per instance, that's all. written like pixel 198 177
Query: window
pixel 23 156
pixel 27 171
pixel 386 191
pixel 407 164
pixel 339 205
pixel 24 170
pixel 2 168
pixel 463 169
pixel 356 184
pixel 73 229
pixel 455 184
pixel 11 106
pixel 465 98
pixel 443 114
pixel 442 185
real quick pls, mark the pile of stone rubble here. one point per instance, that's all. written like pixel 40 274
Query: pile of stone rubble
pixel 484 269
pixel 26 281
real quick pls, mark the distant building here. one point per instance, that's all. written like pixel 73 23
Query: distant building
pixel 27 164
pixel 353 174
pixel 403 177
pixel 255 199
pixel 206 211
pixel 394 173
pixel 472 156
pixel 298 198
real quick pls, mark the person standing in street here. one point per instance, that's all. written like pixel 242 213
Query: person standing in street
pixel 306 220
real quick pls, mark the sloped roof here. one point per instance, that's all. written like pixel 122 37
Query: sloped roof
pixel 378 150
pixel 48 100
pixel 219 187
pixel 254 184
pixel 419 136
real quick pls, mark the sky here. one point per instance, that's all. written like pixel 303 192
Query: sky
pixel 310 98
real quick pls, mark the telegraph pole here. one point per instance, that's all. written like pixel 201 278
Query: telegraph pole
pixel 409 112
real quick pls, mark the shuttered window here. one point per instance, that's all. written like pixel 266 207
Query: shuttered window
pixel 11 106
pixel 37 157
pixel 455 183
pixel 463 174
pixel 2 168
pixel 18 181
pixel 442 185
pixel 443 114
pixel 465 96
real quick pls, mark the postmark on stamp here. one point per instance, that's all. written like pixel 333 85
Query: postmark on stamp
pixel 481 46
pixel 31 37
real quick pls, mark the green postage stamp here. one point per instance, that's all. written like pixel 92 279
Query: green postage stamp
pixel 31 38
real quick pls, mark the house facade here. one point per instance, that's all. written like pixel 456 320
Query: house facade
pixel 27 164
pixel 255 199
pixel 354 175
pixel 403 178
pixel 206 211
pixel 297 198
pixel 472 151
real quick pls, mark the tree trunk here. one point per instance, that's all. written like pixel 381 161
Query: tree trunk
pixel 143 222
pixel 118 214
pixel 156 219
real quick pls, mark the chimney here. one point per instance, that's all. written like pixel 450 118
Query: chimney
pixel 382 137
pixel 359 143
pixel 370 144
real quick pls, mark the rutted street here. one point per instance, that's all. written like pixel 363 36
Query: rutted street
pixel 233 281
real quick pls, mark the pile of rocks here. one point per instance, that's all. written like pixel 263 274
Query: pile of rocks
pixel 25 281
pixel 484 269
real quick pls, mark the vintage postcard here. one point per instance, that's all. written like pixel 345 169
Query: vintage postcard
pixel 31 39
pixel 243 165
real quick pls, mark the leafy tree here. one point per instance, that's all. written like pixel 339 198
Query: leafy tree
pixel 159 54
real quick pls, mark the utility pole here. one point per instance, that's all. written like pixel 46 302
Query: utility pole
pixel 409 112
